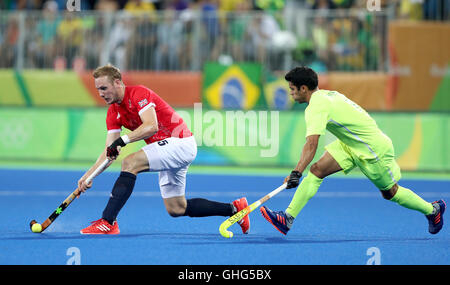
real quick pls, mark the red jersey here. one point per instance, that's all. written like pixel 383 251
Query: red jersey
pixel 136 100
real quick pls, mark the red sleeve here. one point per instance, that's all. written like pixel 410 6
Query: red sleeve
pixel 113 120
pixel 143 99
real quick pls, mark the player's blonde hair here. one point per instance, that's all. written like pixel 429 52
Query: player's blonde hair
pixel 109 70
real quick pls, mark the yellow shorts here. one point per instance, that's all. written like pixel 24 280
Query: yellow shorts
pixel 384 172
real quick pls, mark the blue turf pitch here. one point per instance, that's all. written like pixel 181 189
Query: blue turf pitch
pixel 347 222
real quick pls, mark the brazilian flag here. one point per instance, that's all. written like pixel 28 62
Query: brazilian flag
pixel 276 91
pixel 236 86
pixel 277 94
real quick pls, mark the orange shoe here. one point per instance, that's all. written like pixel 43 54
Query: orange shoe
pixel 101 226
pixel 244 222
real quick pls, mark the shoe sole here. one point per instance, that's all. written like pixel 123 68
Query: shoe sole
pixel 99 233
pixel 266 216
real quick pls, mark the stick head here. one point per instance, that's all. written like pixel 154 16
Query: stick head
pixel 35 227
pixel 226 234
pixel 223 229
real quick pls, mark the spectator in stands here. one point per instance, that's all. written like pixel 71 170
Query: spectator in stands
pixel 143 42
pixel 139 6
pixel 70 36
pixel 239 38
pixel 29 4
pixel 94 42
pixel 169 34
pixel 211 42
pixel 179 5
pixel 187 18
pixel 261 30
pixel 321 4
pixel 8 47
pixel 230 5
pixel 121 3
pixel 369 44
pixel 343 4
pixel 410 9
pixel 319 33
pixel 107 5
pixel 270 5
pixel 7 5
pixel 118 41
pixel 436 9
pixel 42 46
pixel 343 43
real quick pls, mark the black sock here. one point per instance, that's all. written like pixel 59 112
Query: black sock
pixel 119 195
pixel 199 207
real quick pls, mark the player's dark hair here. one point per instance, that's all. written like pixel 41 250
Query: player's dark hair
pixel 303 75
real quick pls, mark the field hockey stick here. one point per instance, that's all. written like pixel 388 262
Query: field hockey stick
pixel 70 198
pixel 223 229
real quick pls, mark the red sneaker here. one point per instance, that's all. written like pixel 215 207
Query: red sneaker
pixel 244 222
pixel 101 226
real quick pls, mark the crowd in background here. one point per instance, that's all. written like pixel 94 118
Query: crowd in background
pixel 159 35
pixel 412 9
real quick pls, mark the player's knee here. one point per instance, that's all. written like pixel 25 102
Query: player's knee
pixel 315 169
pixel 389 194
pixel 175 207
pixel 176 212
pixel 128 165
pixel 135 163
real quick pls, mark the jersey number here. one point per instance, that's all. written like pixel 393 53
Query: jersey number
pixel 163 142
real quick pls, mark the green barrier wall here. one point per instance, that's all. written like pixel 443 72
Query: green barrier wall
pixel 243 138
pixel 46 88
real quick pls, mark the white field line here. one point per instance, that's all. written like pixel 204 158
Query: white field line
pixel 194 193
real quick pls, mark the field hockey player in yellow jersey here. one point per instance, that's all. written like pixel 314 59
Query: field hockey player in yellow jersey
pixel 360 143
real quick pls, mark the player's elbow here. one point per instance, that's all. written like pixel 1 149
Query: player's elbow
pixel 313 139
pixel 150 130
pixel 153 129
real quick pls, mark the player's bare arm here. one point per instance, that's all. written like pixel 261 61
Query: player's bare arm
pixel 82 185
pixel 307 155
pixel 148 128
pixel 308 152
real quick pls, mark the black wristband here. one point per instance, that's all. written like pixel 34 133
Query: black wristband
pixel 111 151
pixel 294 179
pixel 118 142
